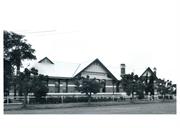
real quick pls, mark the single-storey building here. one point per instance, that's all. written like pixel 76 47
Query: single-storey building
pixel 61 74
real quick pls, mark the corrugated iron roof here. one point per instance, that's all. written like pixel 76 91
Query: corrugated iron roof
pixel 66 69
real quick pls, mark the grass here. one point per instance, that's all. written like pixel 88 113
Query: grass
pixel 10 107
pixel 151 108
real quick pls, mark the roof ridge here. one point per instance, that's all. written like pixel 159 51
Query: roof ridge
pixel 65 62
pixel 76 70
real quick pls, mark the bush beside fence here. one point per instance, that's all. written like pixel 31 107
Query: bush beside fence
pixel 55 100
pixel 71 99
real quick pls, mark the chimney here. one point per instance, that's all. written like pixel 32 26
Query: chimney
pixel 123 69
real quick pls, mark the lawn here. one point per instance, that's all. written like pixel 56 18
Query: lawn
pixel 152 108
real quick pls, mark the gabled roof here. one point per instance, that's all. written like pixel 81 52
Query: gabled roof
pixel 58 69
pixel 65 69
pixel 149 70
pixel 46 58
pixel 81 66
pixel 95 61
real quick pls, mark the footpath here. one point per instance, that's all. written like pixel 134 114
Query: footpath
pixel 9 107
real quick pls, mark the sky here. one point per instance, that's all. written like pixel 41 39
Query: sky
pixel 139 33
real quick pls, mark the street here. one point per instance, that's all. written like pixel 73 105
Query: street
pixel 155 108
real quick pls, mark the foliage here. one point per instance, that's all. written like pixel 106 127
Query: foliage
pixel 30 82
pixel 39 86
pixel 149 84
pixel 70 99
pixel 24 84
pixel 8 76
pixel 133 84
pixel 88 86
pixel 140 89
pixel 165 87
pixel 174 89
pixel 15 51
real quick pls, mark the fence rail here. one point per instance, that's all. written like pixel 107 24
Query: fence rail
pixel 61 97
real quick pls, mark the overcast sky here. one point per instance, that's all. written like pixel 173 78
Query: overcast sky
pixel 139 33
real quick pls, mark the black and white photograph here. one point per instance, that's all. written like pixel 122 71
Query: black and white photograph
pixel 97 63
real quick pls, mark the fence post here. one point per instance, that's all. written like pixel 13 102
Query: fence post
pixel 62 99
pixel 77 98
pixel 46 99
pixel 28 99
pixel 7 98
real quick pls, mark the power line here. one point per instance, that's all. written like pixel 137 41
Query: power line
pixel 34 32
pixel 45 31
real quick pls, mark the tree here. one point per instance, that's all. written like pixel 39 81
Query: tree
pixel 39 87
pixel 140 88
pixel 165 87
pixel 174 89
pixel 149 82
pixel 132 84
pixel 30 81
pixel 16 50
pixel 24 84
pixel 88 86
pixel 8 76
pixel 8 68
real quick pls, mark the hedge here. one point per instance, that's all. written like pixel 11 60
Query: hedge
pixel 55 100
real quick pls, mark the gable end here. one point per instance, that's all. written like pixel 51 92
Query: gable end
pixel 46 60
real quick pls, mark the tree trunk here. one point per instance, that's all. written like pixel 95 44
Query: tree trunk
pixel 163 97
pixel 15 90
pixel 132 98
pixel 132 95
pixel 16 85
pixel 25 100
pixel 89 99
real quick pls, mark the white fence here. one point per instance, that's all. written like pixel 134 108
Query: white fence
pixel 11 99
pixel 118 96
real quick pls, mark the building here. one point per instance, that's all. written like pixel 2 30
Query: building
pixel 60 75
pixel 150 78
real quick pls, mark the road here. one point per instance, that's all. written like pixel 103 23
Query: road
pixel 155 108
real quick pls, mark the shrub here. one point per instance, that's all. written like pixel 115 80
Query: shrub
pixel 70 99
pixel 160 97
pixel 53 100
pixel 171 97
pixel 9 101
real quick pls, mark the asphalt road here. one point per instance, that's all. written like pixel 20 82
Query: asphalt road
pixel 155 108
